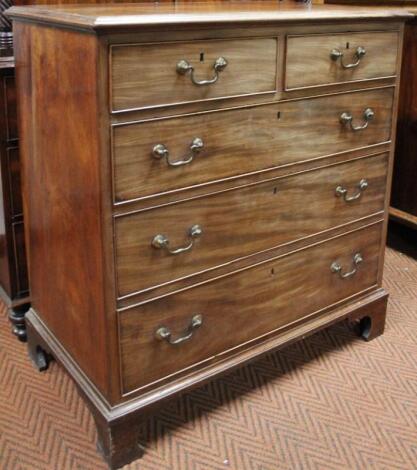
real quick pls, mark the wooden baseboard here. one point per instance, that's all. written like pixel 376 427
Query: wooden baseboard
pixel 354 309
pixel 118 425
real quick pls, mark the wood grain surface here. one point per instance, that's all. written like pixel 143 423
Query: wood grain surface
pixel 309 63
pixel 242 222
pixel 243 140
pixel 60 169
pixel 265 298
pixel 197 13
pixel 146 75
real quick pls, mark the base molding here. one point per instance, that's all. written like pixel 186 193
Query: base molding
pixel 118 425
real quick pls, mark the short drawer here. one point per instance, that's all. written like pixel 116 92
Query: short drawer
pixel 321 59
pixel 146 75
pixel 215 145
pixel 210 231
pixel 225 313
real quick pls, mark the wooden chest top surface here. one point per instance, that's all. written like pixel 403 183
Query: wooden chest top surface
pixel 110 16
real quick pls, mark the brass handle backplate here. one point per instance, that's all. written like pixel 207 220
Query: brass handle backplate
pixel 336 267
pixel 337 54
pixel 164 333
pixel 346 118
pixel 160 151
pixel 183 67
pixel 162 242
pixel 343 192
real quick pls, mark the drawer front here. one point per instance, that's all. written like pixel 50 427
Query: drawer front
pixel 241 222
pixel 241 141
pixel 166 74
pixel 337 58
pixel 243 306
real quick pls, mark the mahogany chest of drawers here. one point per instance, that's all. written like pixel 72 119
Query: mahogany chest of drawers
pixel 203 183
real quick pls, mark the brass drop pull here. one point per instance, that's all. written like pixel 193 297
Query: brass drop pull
pixel 162 242
pixel 343 192
pixel 337 54
pixel 160 151
pixel 164 333
pixel 347 119
pixel 183 67
pixel 337 268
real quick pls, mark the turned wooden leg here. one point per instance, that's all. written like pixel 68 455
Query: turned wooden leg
pixel 118 443
pixel 17 319
pixel 36 350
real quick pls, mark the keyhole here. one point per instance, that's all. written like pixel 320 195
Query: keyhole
pixel 279 115
pixel 201 56
pixel 272 271
pixel 347 45
pixel 275 190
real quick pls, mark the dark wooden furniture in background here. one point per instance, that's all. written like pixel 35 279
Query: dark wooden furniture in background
pixel 168 244
pixel 404 186
pixel 14 285
pixel 14 288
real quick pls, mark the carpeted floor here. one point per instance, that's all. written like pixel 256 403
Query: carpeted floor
pixel 329 402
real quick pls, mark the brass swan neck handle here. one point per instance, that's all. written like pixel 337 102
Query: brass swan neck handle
pixel 337 54
pixel 164 333
pixel 337 267
pixel 183 67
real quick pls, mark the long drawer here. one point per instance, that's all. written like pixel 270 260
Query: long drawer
pixel 225 313
pixel 232 224
pixel 323 59
pixel 144 75
pixel 241 141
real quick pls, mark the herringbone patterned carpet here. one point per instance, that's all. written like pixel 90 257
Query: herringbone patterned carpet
pixel 329 402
